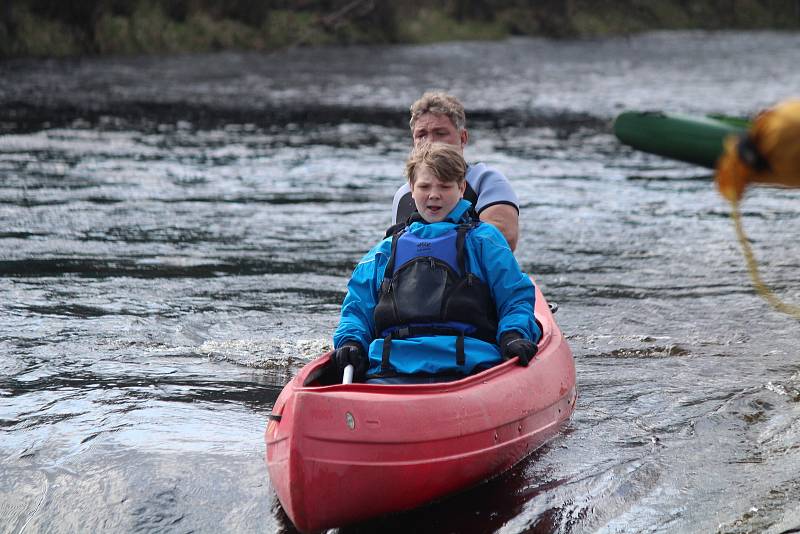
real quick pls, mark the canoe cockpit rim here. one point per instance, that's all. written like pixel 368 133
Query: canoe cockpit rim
pixel 398 389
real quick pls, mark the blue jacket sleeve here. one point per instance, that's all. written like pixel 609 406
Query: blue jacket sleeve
pixel 511 288
pixel 356 320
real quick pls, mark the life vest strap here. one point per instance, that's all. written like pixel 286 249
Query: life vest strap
pixel 460 357
pixel 389 270
pixel 386 366
pixel 461 235
pixel 406 332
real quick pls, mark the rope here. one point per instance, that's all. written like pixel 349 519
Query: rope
pixel 752 266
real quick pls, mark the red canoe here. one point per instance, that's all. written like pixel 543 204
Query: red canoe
pixel 339 454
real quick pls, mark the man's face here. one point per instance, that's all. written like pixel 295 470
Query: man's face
pixel 433 128
pixel 433 197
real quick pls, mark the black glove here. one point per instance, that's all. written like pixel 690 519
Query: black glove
pixel 351 353
pixel 513 344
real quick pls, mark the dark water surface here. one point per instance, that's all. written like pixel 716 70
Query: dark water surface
pixel 176 235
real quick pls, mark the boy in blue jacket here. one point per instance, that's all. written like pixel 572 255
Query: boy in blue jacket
pixel 443 297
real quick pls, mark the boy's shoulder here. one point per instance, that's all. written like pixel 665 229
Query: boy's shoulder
pixel 382 249
pixel 488 233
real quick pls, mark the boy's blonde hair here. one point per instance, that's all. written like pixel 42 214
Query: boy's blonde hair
pixel 439 103
pixel 445 162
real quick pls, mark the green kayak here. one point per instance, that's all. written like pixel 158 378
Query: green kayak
pixel 690 138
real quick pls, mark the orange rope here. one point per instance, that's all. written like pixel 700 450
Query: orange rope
pixel 752 266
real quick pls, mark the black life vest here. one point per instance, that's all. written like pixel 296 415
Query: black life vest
pixel 427 290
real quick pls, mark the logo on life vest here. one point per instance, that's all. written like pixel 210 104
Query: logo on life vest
pixel 424 246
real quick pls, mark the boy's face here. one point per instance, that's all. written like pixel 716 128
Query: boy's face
pixel 433 197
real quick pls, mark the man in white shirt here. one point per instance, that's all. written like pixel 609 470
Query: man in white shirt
pixel 439 117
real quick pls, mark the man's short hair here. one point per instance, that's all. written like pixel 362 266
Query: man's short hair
pixel 445 162
pixel 439 103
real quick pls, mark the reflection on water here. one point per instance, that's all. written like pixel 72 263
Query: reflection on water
pixel 177 235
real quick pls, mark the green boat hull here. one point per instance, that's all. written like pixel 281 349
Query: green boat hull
pixel 689 138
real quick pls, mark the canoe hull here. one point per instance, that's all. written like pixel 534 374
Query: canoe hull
pixel 341 454
pixel 693 139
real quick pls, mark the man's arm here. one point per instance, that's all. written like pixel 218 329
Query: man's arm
pixel 505 218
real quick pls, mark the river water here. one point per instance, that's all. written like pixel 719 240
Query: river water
pixel 176 235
